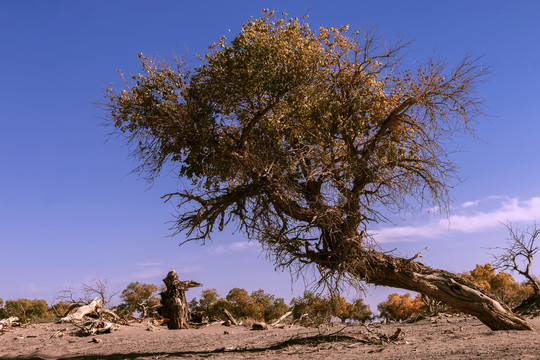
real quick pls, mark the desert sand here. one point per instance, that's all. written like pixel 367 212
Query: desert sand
pixel 444 337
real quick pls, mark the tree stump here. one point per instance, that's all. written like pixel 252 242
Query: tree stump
pixel 174 305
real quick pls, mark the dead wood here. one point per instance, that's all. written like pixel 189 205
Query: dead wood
pixel 397 335
pixel 199 317
pixel 93 308
pixel 159 321
pixel 71 309
pixel 9 322
pixel 259 326
pixel 94 327
pixel 281 318
pixel 530 306
pixel 174 305
pixel 229 317
pixel 109 313
pixel 83 311
pixel 459 293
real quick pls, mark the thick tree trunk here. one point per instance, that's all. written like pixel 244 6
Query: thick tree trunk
pixel 382 269
pixel 174 305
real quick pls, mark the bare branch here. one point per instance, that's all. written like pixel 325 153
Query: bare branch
pixel 519 253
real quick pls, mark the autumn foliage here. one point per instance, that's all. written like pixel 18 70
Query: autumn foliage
pixel 401 307
pixel 258 306
pixel 314 309
pixel 139 298
pixel 501 284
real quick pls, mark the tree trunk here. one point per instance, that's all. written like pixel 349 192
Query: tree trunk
pixel 530 306
pixel 174 305
pixel 381 269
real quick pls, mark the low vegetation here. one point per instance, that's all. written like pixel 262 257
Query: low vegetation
pixel 140 299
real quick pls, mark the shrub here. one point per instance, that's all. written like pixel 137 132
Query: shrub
pixel 501 284
pixel 139 298
pixel 28 310
pixel 401 307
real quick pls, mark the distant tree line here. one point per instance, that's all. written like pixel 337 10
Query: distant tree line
pixel 309 309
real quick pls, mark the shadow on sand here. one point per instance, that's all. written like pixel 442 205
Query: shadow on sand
pixel 311 341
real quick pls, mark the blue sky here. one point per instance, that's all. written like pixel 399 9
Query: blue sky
pixel 70 210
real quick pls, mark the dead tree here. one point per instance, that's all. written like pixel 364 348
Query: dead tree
pixel 174 305
pixel 519 253
pixel 517 257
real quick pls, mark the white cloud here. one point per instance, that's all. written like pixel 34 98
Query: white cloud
pixel 234 247
pixel 150 273
pixel 470 204
pixel 149 263
pixel 469 221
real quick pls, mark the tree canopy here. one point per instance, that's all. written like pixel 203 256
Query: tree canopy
pixel 303 139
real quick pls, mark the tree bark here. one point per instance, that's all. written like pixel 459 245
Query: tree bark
pixel 174 305
pixel 382 269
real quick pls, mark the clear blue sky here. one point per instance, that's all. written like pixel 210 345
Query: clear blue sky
pixel 70 209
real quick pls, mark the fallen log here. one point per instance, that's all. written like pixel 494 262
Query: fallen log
pixel 110 313
pixel 229 317
pixel 282 317
pixel 83 311
pixel 259 326
pixel 11 321
pixel 95 327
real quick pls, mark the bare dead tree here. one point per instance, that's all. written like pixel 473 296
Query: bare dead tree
pixel 101 288
pixel 97 287
pixel 69 295
pixel 519 253
pixel 304 140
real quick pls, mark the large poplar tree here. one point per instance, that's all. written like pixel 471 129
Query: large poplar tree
pixel 305 139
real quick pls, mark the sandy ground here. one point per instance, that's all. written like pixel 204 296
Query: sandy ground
pixel 441 338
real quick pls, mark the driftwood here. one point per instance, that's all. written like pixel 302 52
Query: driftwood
pixel 259 326
pixel 95 327
pixel 229 317
pixel 174 305
pixel 93 308
pixel 11 321
pixel 82 311
pixel 282 317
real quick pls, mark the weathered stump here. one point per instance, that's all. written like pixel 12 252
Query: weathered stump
pixel 174 305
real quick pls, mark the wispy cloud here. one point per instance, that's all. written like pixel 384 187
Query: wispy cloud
pixel 469 220
pixel 468 204
pixel 234 247
pixel 149 264
pixel 152 272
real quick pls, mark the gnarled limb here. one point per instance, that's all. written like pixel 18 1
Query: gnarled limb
pixel 452 289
